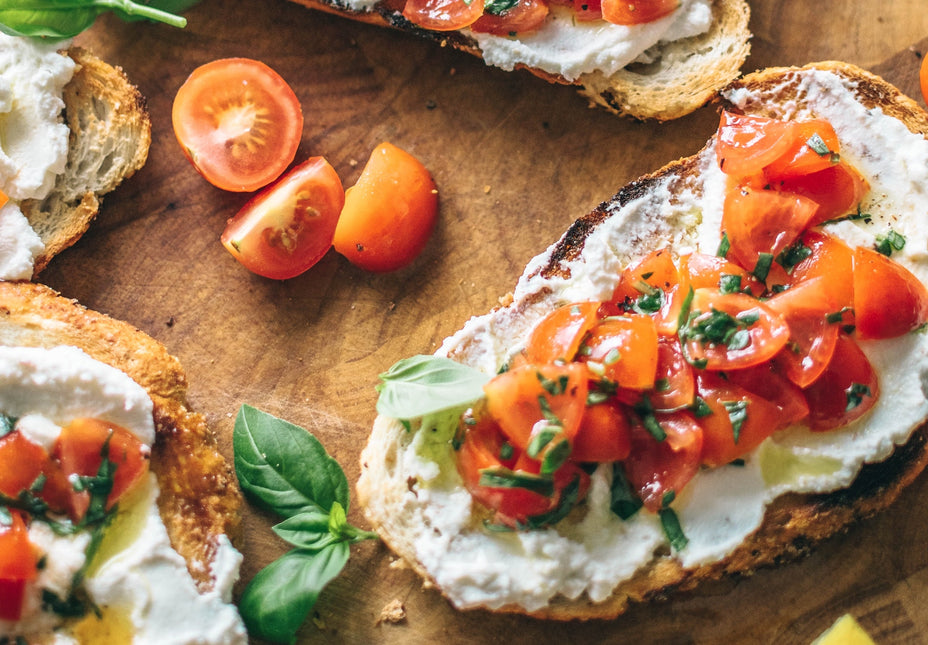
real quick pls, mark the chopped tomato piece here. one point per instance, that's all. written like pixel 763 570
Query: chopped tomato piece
pixel 559 334
pixel 238 122
pixel 738 423
pixel 847 389
pixel 653 285
pixel 731 331
pixel 660 469
pixel 838 191
pixel 674 382
pixel 604 435
pixel 18 565
pixel 765 381
pixel 637 12
pixel 27 466
pixel 80 450
pixel 443 15
pixel 761 221
pixel 528 398
pixel 623 350
pixel 814 146
pixel 525 16
pixel 745 145
pixel 714 272
pixel 831 259
pixel 287 227
pixel 588 10
pixel 888 300
pixel 390 212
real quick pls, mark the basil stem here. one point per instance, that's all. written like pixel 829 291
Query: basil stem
pixel 67 18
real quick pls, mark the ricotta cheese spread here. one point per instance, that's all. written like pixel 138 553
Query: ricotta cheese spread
pixel 33 141
pixel 719 507
pixel 136 580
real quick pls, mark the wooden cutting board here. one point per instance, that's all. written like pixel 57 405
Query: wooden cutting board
pixel 516 160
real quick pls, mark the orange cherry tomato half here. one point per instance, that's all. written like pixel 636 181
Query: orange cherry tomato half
pixel 238 122
pixel 624 351
pixel 389 213
pixel 637 12
pixel 559 334
pixel 888 300
pixel 79 449
pixel 443 15
pixel 847 389
pixel 18 565
pixel 520 398
pixel 525 16
pixel 287 227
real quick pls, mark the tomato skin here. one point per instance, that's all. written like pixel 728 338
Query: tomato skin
pixel 800 158
pixel 832 260
pixel 719 445
pixel 78 449
pixel 389 214
pixel 559 334
pixel 604 434
pixel 706 271
pixel 22 463
pixel 18 565
pixel 655 271
pixel 745 144
pixel 512 399
pixel 287 227
pixel 626 350
pixel 766 336
pixel 238 122
pixel 442 15
pixel 763 221
pixel 656 468
pixel 526 16
pixel 766 381
pixel 828 396
pixel 637 12
pixel 888 300
pixel 838 190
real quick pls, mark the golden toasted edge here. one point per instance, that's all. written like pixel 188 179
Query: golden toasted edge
pixel 686 75
pixel 199 500
pixel 110 134
pixel 793 524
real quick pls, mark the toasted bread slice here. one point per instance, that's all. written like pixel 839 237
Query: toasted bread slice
pixel 404 473
pixel 199 501
pixel 683 75
pixel 109 140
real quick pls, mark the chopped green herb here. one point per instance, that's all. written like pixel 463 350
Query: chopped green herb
pixel 730 283
pixel 762 268
pixel 668 498
pixel 671 525
pixel 837 316
pixel 7 424
pixel 818 145
pixel 701 408
pixel 553 387
pixel 540 439
pixel 793 255
pixel 624 502
pixel 890 242
pixel 737 414
pixel 662 384
pixel 555 456
pixel 499 477
pixel 506 451
pixel 724 246
pixel 565 504
pixel 649 303
pixel 855 395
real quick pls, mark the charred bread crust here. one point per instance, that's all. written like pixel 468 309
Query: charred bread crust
pixel 686 75
pixel 199 500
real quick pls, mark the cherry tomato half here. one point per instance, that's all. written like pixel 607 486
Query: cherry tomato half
pixel 442 15
pixel 525 16
pixel 888 300
pixel 637 12
pixel 847 389
pixel 238 123
pixel 389 213
pixel 287 227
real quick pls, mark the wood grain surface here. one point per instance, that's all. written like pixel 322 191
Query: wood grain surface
pixel 516 160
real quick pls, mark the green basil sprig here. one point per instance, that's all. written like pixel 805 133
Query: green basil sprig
pixel 423 385
pixel 67 18
pixel 283 468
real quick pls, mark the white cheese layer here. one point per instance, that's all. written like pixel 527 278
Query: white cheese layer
pixel 720 507
pixel 33 140
pixel 136 573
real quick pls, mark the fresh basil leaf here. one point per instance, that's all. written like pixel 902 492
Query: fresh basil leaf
pixel 342 530
pixel 279 598
pixel 308 530
pixel 67 18
pixel 283 466
pixel 422 385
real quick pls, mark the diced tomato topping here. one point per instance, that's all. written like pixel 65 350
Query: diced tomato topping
pixel 713 272
pixel 847 389
pixel 837 189
pixel 624 351
pixel 653 285
pixel 525 16
pixel 443 15
pixel 745 145
pixel 888 300
pixel 637 12
pixel 813 147
pixel 18 566
pixel 604 435
pixel 559 334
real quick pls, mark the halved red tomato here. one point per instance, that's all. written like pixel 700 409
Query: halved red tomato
pixel 389 213
pixel 759 221
pixel 637 12
pixel 79 450
pixel 838 190
pixel 443 15
pixel 739 422
pixel 745 145
pixel 888 300
pixel 623 350
pixel 814 146
pixel 559 334
pixel 731 331
pixel 525 16
pixel 546 395
pixel 847 389
pixel 18 565
pixel 238 122
pixel 604 435
pixel 286 228
pixel 658 469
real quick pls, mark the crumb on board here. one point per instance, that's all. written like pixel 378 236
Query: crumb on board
pixel 394 612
